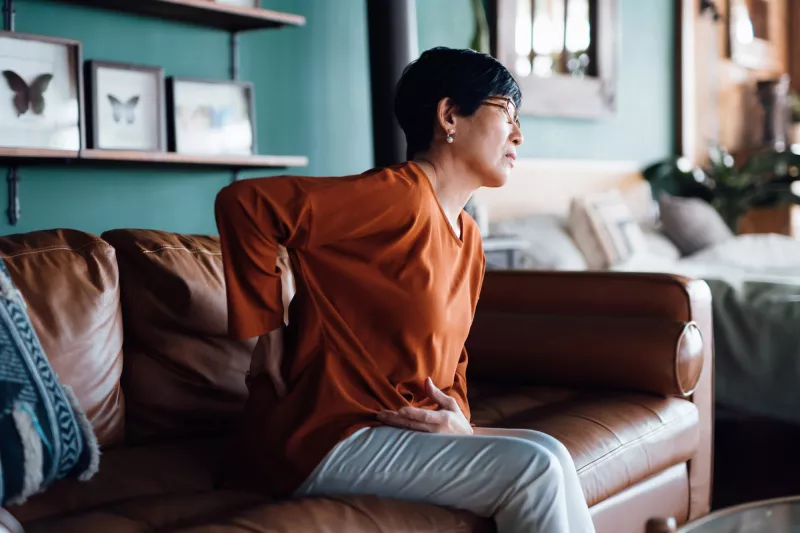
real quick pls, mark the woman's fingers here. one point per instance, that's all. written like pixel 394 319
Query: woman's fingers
pixel 408 419
pixel 422 415
pixel 439 397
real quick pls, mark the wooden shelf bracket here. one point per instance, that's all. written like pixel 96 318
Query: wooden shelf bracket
pixel 8 15
pixel 13 195
pixel 13 170
pixel 234 74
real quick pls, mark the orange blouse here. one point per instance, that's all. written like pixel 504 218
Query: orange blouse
pixel 385 296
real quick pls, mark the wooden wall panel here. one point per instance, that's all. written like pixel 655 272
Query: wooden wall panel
pixel 719 103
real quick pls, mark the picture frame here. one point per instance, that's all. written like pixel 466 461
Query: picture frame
pixel 748 34
pixel 126 106
pixel 211 117
pixel 41 92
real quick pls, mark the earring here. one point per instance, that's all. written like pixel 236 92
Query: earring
pixel 450 136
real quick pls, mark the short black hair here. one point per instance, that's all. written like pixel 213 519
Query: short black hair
pixel 466 76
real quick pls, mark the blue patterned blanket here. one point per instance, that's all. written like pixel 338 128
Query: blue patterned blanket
pixel 44 433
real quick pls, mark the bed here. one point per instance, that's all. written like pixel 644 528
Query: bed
pixel 754 280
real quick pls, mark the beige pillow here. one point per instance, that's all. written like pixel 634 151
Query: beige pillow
pixel 604 229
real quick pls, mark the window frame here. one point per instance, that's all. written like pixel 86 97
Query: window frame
pixel 562 95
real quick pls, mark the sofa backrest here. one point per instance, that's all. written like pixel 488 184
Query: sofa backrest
pixel 182 375
pixel 70 283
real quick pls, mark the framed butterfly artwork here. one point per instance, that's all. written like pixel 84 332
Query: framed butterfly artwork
pixel 41 89
pixel 126 106
pixel 210 117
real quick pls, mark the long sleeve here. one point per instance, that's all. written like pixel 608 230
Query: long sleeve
pixel 459 389
pixel 255 216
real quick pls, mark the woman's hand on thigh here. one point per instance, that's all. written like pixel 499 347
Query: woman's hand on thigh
pixel 448 419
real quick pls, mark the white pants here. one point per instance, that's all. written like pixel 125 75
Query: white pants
pixel 525 479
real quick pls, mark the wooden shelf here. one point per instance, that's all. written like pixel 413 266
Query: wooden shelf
pixel 219 161
pixel 202 12
pixel 9 156
pixel 124 157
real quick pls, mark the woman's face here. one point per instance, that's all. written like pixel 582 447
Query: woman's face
pixel 487 141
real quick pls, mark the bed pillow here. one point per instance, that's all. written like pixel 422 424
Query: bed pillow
pixel 691 223
pixel 604 229
pixel 659 245
pixel 44 433
pixel 551 246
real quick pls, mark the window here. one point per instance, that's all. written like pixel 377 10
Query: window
pixel 571 42
pixel 554 37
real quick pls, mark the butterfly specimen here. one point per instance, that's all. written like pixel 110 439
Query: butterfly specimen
pixel 217 116
pixel 124 109
pixel 28 96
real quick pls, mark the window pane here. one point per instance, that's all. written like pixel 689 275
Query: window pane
pixel 578 37
pixel 522 33
pixel 578 32
pixel 523 30
pixel 522 66
pixel 548 27
pixel 544 66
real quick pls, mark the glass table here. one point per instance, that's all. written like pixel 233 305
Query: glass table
pixel 780 515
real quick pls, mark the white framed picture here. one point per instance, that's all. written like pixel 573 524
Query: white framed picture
pixel 126 106
pixel 41 89
pixel 211 117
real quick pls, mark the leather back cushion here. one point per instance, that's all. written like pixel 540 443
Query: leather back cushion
pixel 70 283
pixel 182 375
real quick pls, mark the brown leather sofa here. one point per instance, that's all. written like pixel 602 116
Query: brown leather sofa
pixel 616 366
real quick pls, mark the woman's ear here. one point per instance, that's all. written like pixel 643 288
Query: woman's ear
pixel 446 115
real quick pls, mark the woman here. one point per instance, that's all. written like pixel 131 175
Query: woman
pixel 365 390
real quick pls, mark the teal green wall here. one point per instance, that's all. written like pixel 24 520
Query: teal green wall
pixel 312 98
pixel 641 130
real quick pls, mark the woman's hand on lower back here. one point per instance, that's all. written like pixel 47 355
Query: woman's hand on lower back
pixel 448 419
pixel 267 359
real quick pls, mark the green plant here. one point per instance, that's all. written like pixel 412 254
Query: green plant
pixel 764 180
pixel 794 106
pixel 480 37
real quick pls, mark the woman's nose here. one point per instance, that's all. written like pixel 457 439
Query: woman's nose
pixel 516 136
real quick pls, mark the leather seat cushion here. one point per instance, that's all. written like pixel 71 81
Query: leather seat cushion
pixel 134 472
pixel 242 512
pixel 616 439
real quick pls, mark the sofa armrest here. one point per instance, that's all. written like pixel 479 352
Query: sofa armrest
pixel 577 331
pixel 9 524
pixel 636 331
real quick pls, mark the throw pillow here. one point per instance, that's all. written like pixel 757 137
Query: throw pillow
pixel 659 245
pixel 605 230
pixel 44 433
pixel 691 223
pixel 551 246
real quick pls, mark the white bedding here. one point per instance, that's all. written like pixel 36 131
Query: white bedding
pixel 771 258
pixel 755 285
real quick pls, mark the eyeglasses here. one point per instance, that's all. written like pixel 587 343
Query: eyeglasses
pixel 509 107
